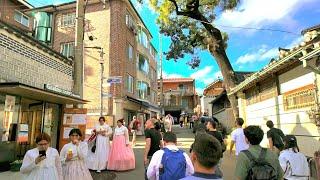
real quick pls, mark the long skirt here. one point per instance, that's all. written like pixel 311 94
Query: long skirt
pixel 76 170
pixel 121 157
pixel 98 159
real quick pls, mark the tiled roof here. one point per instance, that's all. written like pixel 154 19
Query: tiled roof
pixel 177 80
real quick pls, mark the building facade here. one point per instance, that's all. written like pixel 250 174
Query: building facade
pixel 209 94
pixel 179 96
pixel 116 27
pixel 287 92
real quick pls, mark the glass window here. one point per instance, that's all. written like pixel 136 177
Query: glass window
pixel 67 49
pixel 184 103
pixel 142 88
pixel 130 52
pixel 143 39
pixel 21 18
pixel 68 19
pixel 143 64
pixel 129 20
pixel 130 83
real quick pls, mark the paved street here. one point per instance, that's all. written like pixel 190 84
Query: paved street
pixel 185 139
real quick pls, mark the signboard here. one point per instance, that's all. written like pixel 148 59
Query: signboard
pixel 114 80
pixel 74 119
pixel 60 91
pixel 9 103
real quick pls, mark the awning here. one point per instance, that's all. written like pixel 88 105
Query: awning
pixel 19 89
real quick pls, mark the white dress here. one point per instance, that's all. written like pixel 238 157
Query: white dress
pixel 98 160
pixel 48 169
pixel 75 169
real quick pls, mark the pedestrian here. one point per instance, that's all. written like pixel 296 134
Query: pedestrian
pixel 205 155
pixel 73 157
pixel 163 130
pixel 168 123
pixel 121 156
pixel 42 162
pixel 193 118
pixel 153 143
pixel 257 162
pixel 181 119
pixel 133 128
pixel 294 163
pixel 169 163
pixel 238 138
pixel 275 137
pixel 201 127
pixel 98 155
pixel 211 129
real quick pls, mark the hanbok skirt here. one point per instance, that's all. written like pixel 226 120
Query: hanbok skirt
pixel 121 157
pixel 76 170
pixel 98 159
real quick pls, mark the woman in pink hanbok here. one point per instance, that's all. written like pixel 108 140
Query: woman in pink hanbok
pixel 73 157
pixel 121 156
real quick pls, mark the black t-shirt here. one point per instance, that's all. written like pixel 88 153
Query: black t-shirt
pixel 217 135
pixel 277 137
pixel 155 137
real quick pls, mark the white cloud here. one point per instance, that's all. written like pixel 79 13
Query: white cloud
pixel 264 53
pixel 256 13
pixel 218 75
pixel 168 76
pixel 209 80
pixel 199 91
pixel 202 73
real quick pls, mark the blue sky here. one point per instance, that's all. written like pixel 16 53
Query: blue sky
pixel 248 50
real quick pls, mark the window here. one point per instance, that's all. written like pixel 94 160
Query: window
pixel 184 103
pixel 130 52
pixel 129 83
pixel 129 20
pixel 300 98
pixel 67 49
pixel 21 18
pixel 143 39
pixel 153 97
pixel 68 20
pixel 143 89
pixel 143 64
pixel 266 90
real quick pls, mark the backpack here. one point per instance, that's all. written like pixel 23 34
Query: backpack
pixel 260 169
pixel 174 165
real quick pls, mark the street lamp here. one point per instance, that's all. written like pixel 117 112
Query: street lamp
pixel 101 61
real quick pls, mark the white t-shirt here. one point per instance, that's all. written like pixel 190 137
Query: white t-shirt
pixel 238 137
pixel 294 165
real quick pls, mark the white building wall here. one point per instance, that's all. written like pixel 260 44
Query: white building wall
pixel 294 122
pixel 205 104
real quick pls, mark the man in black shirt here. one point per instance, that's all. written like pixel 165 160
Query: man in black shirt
pixel 275 137
pixel 153 141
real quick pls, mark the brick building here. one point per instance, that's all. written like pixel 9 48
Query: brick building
pixel 116 27
pixel 179 96
pixel 35 85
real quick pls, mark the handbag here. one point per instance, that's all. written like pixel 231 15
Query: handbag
pixel 93 149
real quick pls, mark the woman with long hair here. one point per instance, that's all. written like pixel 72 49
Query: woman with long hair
pixel 42 162
pixel 99 154
pixel 121 155
pixel 73 157
pixel 294 164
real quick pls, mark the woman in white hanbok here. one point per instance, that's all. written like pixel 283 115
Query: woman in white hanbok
pixel 73 157
pixel 42 166
pixel 98 159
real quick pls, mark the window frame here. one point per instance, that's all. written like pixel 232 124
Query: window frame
pixel 68 15
pixel 130 84
pixel 129 46
pixel 21 17
pixel 62 45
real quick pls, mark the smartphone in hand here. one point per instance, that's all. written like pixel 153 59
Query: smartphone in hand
pixel 42 153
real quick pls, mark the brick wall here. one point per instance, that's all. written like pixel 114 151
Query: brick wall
pixel 7 10
pixel 22 62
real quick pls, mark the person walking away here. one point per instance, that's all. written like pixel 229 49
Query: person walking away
pixel 181 119
pixel 153 142
pixel 163 130
pixel 98 158
pixel 193 118
pixel 257 162
pixel 170 163
pixel 211 127
pixel 168 123
pixel 238 138
pixel 293 163
pixel 205 155
pixel 121 157
pixel 42 162
pixel 275 137
pixel 133 128
pixel 73 157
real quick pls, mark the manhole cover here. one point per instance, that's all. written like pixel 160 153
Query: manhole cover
pixel 104 175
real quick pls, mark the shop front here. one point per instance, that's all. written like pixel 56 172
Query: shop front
pixel 25 112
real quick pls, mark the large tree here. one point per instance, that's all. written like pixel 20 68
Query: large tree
pixel 189 23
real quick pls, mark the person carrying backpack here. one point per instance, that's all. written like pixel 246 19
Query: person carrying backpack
pixel 275 137
pixel 257 163
pixel 293 163
pixel 169 163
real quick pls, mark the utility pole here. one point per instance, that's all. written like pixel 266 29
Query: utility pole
pixel 101 82
pixel 78 58
pixel 161 78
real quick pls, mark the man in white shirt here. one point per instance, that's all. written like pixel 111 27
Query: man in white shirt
pixel 238 138
pixel 169 156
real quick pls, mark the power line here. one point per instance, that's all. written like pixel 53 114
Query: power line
pixel 259 29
